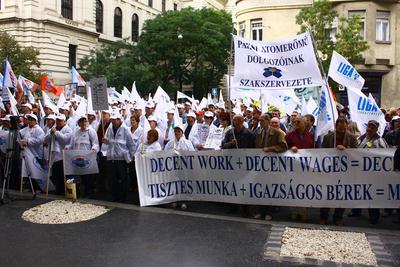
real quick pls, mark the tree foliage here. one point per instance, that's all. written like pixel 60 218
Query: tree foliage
pixel 22 59
pixel 178 48
pixel 319 18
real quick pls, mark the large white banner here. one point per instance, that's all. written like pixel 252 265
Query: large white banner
pixel 289 63
pixel 363 109
pixel 353 178
pixel 342 72
pixel 80 162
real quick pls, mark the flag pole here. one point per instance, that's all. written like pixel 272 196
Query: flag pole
pixel 229 87
pixel 326 85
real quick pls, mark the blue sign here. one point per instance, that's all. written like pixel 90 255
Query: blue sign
pixel 214 91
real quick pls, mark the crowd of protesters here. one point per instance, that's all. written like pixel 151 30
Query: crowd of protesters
pixel 120 132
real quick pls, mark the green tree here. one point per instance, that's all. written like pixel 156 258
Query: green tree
pixel 319 18
pixel 187 47
pixel 22 59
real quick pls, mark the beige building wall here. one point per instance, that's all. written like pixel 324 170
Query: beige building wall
pixel 39 23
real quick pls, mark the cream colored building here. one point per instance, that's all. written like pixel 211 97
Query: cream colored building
pixel 276 19
pixel 65 31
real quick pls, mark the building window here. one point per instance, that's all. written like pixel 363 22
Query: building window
pixel 382 26
pixel 99 16
pixel 361 14
pixel 332 30
pixel 175 6
pixel 256 29
pixel 66 9
pixel 72 56
pixel 163 9
pixel 135 27
pixel 118 22
pixel 150 3
pixel 242 29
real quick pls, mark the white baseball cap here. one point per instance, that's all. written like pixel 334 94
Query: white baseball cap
pixel 191 114
pixel 32 116
pixel 51 117
pixel 152 118
pixel 209 114
pixel 60 117
pixel 27 105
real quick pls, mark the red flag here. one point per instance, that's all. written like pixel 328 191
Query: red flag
pixel 47 84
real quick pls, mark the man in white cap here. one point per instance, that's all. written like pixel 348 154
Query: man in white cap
pixel 85 138
pixel 181 112
pixel 26 108
pixel 57 138
pixel 31 142
pixel 120 152
pixel 66 109
pixel 32 136
pixel 168 126
pixel 249 115
pixel 149 109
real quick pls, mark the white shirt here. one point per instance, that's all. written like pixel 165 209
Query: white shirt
pixel 155 146
pixel 137 137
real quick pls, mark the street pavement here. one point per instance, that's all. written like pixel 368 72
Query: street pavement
pixel 132 236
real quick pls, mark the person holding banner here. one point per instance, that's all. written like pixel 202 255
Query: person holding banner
pixel 32 139
pixel 342 139
pixel 179 142
pixel 270 140
pixel 239 136
pixel 370 139
pixel 119 154
pixel 59 136
pixel 151 143
pixel 137 137
pixel 85 138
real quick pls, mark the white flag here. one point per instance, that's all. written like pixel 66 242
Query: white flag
pixel 61 101
pixel 47 102
pixel 80 162
pixel 327 113
pixel 313 109
pixel 342 72
pixel 364 109
pixel 160 95
pixel 134 93
pixel 304 107
pixel 180 95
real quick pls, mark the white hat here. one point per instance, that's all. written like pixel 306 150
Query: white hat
pixel 209 114
pixel 6 118
pixel 180 126
pixel 32 116
pixel 188 103
pixel 51 117
pixel 210 104
pixel 91 112
pixel 171 111
pixel 60 117
pixel 115 116
pixel 191 114
pixel 149 105
pixel 152 118
pixel 220 105
pixel 106 111
pixel 250 109
pixel 50 107
pixel 179 106
pixel 138 105
pixel 65 106
pixel 237 111
pixel 27 105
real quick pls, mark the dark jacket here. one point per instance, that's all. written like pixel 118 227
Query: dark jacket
pixel 349 140
pixel 275 140
pixel 245 139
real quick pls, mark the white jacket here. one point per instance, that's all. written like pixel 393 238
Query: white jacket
pixel 58 142
pixel 120 145
pixel 182 144
pixel 193 135
pixel 84 140
pixel 34 136
pixel 148 148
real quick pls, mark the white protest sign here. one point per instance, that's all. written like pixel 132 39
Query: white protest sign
pixel 289 63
